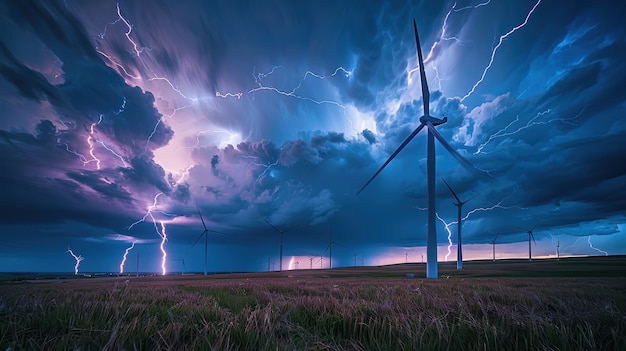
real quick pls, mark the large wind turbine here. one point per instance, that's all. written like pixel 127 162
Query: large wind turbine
pixel 459 204
pixel 530 236
pixel 282 233
pixel 205 232
pixel 429 122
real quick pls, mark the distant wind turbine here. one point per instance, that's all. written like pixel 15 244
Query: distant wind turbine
pixel 429 122
pixel 530 236
pixel 459 249
pixel 330 247
pixel 558 252
pixel 205 232
pixel 493 243
pixel 282 233
pixel 182 260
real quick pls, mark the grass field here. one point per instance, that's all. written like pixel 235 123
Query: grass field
pixel 571 304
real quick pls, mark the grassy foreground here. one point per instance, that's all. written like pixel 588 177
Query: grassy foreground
pixel 316 310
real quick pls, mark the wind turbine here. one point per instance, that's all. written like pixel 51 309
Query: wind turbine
pixel 282 233
pixel 530 236
pixel 205 232
pixel 430 123
pixel 183 262
pixel 330 247
pixel 493 243
pixel 558 252
pixel 459 249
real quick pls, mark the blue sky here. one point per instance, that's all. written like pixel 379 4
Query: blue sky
pixel 119 117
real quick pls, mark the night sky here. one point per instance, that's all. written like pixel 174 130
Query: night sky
pixel 118 118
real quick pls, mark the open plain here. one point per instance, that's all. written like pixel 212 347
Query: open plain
pixel 571 304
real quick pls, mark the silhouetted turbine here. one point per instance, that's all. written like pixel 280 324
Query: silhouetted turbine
pixel 330 247
pixel 205 232
pixel 459 249
pixel 530 236
pixel 493 243
pixel 282 233
pixel 430 122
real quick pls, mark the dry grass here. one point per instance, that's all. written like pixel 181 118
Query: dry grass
pixel 309 311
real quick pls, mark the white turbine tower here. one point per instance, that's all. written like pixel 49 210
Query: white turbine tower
pixel 530 236
pixel 493 243
pixel 282 233
pixel 459 249
pixel 558 252
pixel 429 122
pixel 205 232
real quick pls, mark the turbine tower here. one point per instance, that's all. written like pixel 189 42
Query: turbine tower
pixel 558 252
pixel 205 232
pixel 493 243
pixel 459 249
pixel 330 247
pixel 530 236
pixel 430 123
pixel 282 233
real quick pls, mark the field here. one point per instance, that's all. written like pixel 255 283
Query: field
pixel 571 304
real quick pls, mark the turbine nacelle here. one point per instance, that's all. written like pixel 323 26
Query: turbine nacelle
pixel 433 120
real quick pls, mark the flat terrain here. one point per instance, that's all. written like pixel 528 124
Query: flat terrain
pixel 574 303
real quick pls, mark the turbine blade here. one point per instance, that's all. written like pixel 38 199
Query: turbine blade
pixel 216 232
pixel 202 219
pixel 294 227
pixel 271 225
pixel 425 92
pixel 468 200
pixel 494 239
pixel 532 236
pixel 524 229
pixel 195 242
pixel 395 153
pixel 338 244
pixel 452 191
pixel 535 226
pixel 462 160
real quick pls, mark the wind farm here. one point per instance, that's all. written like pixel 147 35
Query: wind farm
pixel 133 131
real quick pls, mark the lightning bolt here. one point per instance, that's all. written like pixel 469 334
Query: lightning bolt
pixel 466 217
pixel 104 32
pixel 595 248
pixel 447 226
pixel 124 257
pixel 130 29
pixel 162 247
pixel 90 143
pixel 162 233
pixel 442 38
pixel 118 65
pixel 572 245
pixel 138 51
pixel 77 258
pixel 231 140
pixel 532 122
pixel 268 167
pixel 495 50
pixel 292 93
